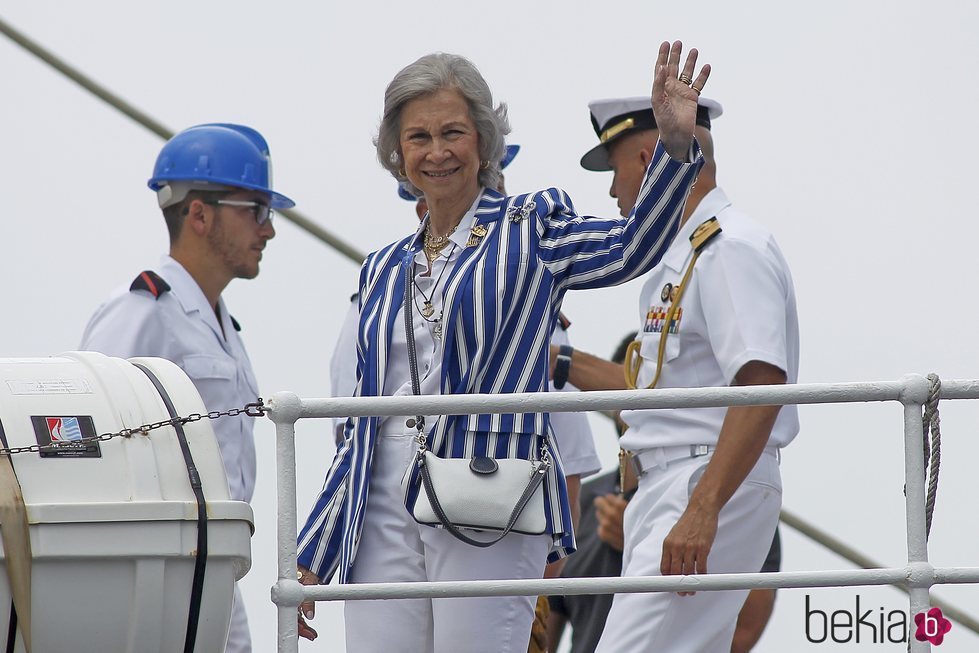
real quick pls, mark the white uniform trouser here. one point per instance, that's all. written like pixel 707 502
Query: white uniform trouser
pixel 395 548
pixel 239 640
pixel 666 622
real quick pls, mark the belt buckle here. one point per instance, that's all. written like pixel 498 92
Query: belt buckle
pixel 697 450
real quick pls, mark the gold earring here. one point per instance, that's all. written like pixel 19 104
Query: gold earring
pixel 484 164
pixel 401 172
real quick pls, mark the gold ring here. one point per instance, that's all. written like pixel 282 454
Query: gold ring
pixel 695 89
pixel 685 78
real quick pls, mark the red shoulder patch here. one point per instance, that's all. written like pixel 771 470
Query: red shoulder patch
pixel 151 282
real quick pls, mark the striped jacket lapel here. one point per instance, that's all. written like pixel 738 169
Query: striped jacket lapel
pixel 487 215
pixel 460 355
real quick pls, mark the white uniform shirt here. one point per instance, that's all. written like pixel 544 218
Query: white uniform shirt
pixel 343 363
pixel 571 430
pixel 739 306
pixel 182 327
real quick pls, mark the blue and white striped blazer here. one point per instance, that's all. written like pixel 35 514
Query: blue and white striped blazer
pixel 502 299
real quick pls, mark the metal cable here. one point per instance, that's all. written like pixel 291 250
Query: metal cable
pixel 158 128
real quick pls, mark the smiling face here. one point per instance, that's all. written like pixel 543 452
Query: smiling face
pixel 440 146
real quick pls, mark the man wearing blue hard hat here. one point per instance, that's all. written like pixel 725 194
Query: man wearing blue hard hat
pixel 214 185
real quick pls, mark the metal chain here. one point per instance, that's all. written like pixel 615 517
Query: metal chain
pixel 254 409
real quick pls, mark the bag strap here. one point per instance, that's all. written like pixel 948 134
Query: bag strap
pixel 196 486
pixel 410 338
pixel 535 479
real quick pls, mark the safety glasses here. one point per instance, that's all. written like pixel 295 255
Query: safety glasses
pixel 261 212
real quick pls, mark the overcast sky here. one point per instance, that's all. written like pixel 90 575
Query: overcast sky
pixel 847 130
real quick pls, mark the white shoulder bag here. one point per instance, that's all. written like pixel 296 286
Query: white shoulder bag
pixel 481 493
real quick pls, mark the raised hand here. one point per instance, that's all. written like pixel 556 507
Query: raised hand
pixel 674 97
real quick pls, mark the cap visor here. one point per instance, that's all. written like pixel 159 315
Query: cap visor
pixel 281 201
pixel 596 159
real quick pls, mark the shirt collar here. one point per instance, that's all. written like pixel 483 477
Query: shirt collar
pixel 460 236
pixel 189 294
pixel 712 203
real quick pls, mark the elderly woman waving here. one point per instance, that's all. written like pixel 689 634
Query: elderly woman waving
pixel 466 305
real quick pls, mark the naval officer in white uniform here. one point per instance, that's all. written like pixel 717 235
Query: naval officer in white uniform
pixel 213 183
pixel 709 484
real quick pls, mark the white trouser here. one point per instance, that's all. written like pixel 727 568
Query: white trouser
pixel 239 640
pixel 395 548
pixel 666 622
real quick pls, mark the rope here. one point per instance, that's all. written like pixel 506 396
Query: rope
pixel 933 450
pixel 930 421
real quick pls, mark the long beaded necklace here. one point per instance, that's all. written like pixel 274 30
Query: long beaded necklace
pixel 427 310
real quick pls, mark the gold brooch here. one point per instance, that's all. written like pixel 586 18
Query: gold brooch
pixel 476 235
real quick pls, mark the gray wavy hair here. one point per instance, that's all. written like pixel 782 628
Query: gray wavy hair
pixel 430 74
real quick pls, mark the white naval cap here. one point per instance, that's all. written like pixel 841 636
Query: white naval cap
pixel 614 117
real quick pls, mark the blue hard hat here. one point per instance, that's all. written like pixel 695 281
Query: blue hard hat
pixel 220 154
pixel 511 151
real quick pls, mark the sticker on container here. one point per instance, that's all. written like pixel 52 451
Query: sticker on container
pixel 62 436
pixel 49 387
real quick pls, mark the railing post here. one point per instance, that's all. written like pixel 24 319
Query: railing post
pixel 287 592
pixel 920 572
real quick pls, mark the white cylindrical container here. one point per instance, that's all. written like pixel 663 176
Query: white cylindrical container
pixel 114 525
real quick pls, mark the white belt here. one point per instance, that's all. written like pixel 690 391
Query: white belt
pixel 661 457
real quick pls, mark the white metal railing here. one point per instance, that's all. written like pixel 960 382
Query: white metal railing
pixel 911 391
